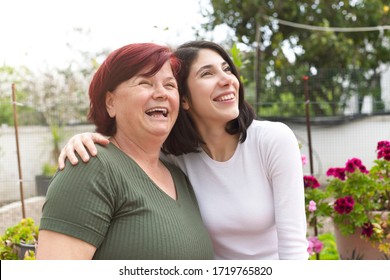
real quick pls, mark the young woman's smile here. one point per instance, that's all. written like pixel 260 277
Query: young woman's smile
pixel 213 89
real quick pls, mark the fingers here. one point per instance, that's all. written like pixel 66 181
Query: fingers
pixel 67 152
pixel 81 144
pixel 99 139
pixel 88 141
pixel 61 159
pixel 86 144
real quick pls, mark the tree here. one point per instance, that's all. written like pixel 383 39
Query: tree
pixel 54 96
pixel 22 77
pixel 289 52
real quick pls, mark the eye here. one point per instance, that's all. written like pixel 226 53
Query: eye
pixel 227 69
pixel 206 73
pixel 171 85
pixel 144 83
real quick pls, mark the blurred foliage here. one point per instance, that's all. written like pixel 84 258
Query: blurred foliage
pixel 329 252
pixel 339 64
pixel 24 232
pixel 51 96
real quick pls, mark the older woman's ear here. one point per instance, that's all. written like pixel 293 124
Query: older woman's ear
pixel 110 99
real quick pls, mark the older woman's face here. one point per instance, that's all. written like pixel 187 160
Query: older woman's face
pixel 145 106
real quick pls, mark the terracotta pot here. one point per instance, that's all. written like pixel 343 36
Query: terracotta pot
pixel 354 247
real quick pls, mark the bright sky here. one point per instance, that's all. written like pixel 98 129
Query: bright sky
pixel 35 32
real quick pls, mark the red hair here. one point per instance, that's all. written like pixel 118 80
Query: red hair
pixel 121 65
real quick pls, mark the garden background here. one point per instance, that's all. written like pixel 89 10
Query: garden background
pixel 323 69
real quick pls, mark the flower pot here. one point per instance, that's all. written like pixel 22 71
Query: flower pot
pixel 354 247
pixel 42 184
pixel 22 249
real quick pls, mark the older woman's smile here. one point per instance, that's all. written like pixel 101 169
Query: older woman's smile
pixel 157 112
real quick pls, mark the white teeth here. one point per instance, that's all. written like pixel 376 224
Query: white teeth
pixel 159 110
pixel 225 97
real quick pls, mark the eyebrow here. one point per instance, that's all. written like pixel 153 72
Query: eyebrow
pixel 143 76
pixel 208 66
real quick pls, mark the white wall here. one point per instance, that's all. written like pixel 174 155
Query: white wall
pixel 35 147
pixel 385 86
pixel 332 147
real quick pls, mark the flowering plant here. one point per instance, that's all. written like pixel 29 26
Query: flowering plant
pixel 360 198
pixel 23 234
pixel 317 208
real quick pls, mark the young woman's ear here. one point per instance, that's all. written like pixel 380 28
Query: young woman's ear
pixel 110 104
pixel 185 104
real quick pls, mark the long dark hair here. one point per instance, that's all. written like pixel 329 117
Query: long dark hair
pixel 184 138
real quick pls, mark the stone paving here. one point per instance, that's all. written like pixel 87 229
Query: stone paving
pixel 11 214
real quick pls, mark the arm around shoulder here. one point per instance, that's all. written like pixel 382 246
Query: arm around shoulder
pixel 81 144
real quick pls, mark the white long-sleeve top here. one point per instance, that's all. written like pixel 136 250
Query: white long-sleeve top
pixel 253 204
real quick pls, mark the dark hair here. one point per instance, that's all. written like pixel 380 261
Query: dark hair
pixel 184 138
pixel 121 65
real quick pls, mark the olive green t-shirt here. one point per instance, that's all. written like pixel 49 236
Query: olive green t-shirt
pixel 112 204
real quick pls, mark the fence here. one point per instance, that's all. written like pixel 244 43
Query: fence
pixel 353 132
pixel 332 145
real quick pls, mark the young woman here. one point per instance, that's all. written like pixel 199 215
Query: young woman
pixel 246 174
pixel 127 203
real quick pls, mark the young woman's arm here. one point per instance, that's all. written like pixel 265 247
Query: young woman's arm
pixel 81 144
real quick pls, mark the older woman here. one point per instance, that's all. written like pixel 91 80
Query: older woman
pixel 127 203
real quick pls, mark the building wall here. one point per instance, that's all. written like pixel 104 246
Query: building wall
pixel 385 86
pixel 35 150
pixel 332 146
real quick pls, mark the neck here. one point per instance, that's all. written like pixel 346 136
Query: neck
pixel 220 145
pixel 140 152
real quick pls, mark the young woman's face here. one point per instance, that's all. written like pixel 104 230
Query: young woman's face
pixel 213 89
pixel 145 106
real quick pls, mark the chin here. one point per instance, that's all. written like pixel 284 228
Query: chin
pixel 162 131
pixel 235 114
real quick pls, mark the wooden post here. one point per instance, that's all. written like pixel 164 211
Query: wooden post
pixel 257 70
pixel 18 151
pixel 307 109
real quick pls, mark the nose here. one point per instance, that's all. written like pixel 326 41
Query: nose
pixel 160 92
pixel 226 78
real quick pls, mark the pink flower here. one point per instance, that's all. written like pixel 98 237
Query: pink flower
pixel 383 150
pixel 312 206
pixel 367 229
pixel 310 182
pixel 383 144
pixel 354 164
pixel 315 245
pixel 344 205
pixel 304 159
pixel 336 172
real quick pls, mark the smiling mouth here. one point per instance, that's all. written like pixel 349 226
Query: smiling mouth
pixel 226 97
pixel 157 112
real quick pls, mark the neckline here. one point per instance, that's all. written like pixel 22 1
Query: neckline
pixel 225 163
pixel 150 179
